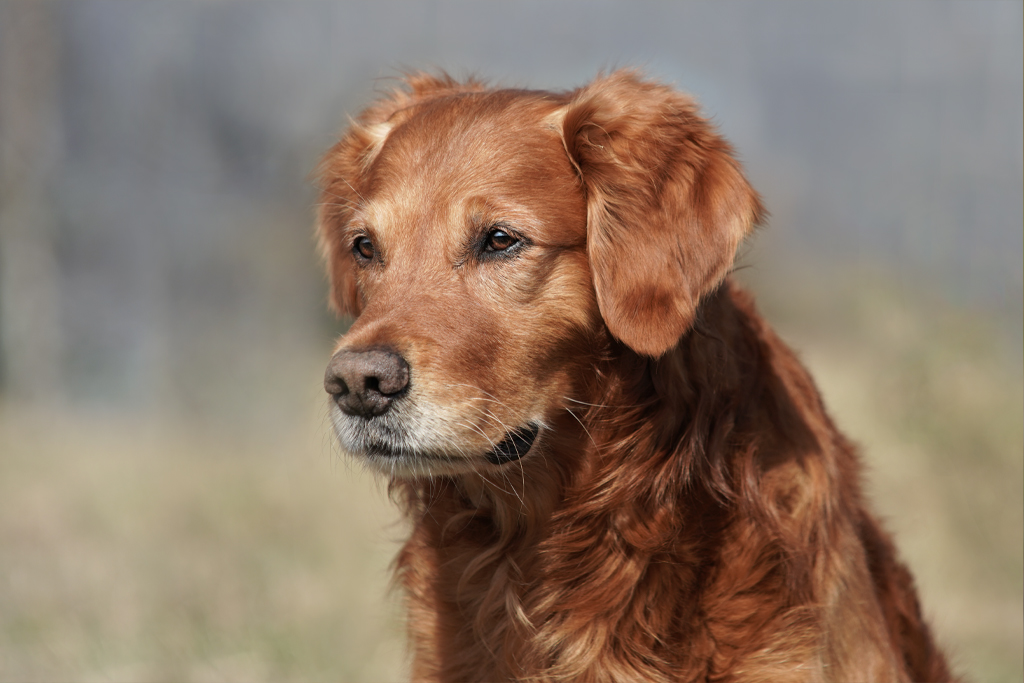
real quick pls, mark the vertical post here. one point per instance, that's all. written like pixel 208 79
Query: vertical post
pixel 31 342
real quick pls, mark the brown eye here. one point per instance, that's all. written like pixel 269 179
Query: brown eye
pixel 499 240
pixel 363 247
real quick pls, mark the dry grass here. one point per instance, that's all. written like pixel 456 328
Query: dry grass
pixel 155 550
pixel 144 552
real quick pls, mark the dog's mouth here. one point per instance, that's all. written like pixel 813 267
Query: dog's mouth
pixel 393 447
pixel 514 446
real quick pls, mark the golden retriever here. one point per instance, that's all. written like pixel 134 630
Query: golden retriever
pixel 614 469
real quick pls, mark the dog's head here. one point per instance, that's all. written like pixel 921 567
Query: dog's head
pixel 488 242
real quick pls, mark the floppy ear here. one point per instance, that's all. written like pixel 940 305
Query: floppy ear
pixel 667 205
pixel 342 175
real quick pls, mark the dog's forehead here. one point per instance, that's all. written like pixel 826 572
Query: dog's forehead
pixel 472 127
pixel 471 158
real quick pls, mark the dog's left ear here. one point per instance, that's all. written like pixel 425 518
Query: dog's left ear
pixel 667 205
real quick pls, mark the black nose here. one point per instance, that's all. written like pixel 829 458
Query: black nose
pixel 366 382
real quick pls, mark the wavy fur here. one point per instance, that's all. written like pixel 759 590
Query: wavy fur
pixel 690 512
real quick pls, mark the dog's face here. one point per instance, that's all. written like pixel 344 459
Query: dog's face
pixel 487 242
pixel 468 251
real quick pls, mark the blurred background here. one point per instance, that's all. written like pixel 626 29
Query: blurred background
pixel 171 505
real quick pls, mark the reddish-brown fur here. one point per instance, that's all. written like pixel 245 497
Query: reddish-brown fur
pixel 688 512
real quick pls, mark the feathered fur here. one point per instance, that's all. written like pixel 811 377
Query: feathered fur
pixel 689 511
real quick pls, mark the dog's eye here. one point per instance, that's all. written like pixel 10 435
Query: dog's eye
pixel 499 240
pixel 362 247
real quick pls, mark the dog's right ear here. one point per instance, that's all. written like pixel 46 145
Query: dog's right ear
pixel 342 173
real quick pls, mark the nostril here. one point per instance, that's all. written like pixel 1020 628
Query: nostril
pixel 391 375
pixel 334 384
pixel 373 385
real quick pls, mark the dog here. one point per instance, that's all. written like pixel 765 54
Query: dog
pixel 613 468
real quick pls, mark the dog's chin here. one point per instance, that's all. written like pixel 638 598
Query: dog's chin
pixel 410 464
pixel 413 464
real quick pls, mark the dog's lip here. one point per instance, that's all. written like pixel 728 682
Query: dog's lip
pixel 381 450
pixel 514 446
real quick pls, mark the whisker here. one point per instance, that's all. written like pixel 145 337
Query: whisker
pixel 585 430
pixel 361 198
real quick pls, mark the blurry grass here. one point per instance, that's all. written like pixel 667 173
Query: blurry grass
pixel 176 550
pixel 146 552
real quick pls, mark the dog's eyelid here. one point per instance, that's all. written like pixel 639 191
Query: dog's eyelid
pixel 499 240
pixel 364 247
